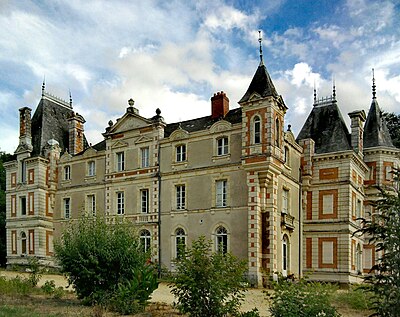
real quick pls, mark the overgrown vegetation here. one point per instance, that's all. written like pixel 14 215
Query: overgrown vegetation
pixel 106 264
pixel 383 228
pixel 208 283
pixel 303 298
pixel 393 124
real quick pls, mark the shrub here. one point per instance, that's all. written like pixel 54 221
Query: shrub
pixel 49 287
pixel 306 299
pixel 15 286
pixel 98 257
pixel 35 271
pixel 208 284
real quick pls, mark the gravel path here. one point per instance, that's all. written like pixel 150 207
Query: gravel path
pixel 254 297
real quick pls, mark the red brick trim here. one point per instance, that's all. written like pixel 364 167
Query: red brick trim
pixel 321 214
pixel 321 264
pixel 308 253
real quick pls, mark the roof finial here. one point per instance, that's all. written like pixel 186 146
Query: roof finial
pixel 373 85
pixel 315 93
pixel 261 52
pixel 43 85
pixel 70 98
pixel 334 88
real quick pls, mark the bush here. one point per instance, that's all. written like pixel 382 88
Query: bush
pixel 354 298
pixel 15 286
pixel 49 287
pixel 35 271
pixel 101 259
pixel 208 284
pixel 306 299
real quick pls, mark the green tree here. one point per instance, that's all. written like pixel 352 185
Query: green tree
pixel 105 261
pixel 207 283
pixel 383 228
pixel 393 124
pixel 4 157
pixel 306 299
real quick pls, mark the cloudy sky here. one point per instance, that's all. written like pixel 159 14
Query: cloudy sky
pixel 175 54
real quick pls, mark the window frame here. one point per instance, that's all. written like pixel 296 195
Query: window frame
pixel 285 201
pixel 67 207
pixel 145 157
pixel 180 191
pixel 222 146
pixel 120 161
pixel 256 130
pixel 180 242
pixel 181 153
pixel 91 204
pixel 120 197
pixel 221 193
pixel 23 208
pixel 144 201
pixel 67 172
pixel 221 238
pixel 145 239
pixel 91 168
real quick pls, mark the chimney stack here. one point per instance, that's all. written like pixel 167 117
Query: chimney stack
pixel 219 105
pixel 357 118
pixel 76 137
pixel 25 130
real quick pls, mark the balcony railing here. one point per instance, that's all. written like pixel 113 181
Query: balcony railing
pixel 287 221
pixel 148 218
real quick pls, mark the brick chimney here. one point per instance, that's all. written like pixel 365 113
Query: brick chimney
pixel 25 130
pixel 219 105
pixel 357 119
pixel 76 136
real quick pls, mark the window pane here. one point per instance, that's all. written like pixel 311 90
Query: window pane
pixel 180 197
pixel 145 157
pixel 120 203
pixel 145 200
pixel 257 130
pixel 221 193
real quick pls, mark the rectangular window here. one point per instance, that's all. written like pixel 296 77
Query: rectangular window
pixel 67 172
pixel 180 197
pixel 327 252
pixel 91 204
pixel 221 194
pixel 13 241
pixel 285 201
pixel 120 161
pixel 49 243
pixel 144 194
pixel 181 153
pixel 145 157
pixel 13 206
pixel 31 176
pixel 23 171
pixel 67 208
pixel 31 203
pixel 91 168
pixel 120 203
pixel 222 146
pixel 31 245
pixel 388 173
pixel 13 179
pixel 22 203
pixel 328 204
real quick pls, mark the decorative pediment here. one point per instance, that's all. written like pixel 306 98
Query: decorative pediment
pixel 255 96
pixel 143 139
pixel 129 121
pixel 65 157
pixel 119 144
pixel 289 137
pixel 220 126
pixel 179 134
pixel 90 152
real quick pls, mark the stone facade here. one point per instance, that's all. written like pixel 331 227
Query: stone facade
pixel 236 177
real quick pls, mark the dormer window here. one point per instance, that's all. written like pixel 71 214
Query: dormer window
pixel 257 130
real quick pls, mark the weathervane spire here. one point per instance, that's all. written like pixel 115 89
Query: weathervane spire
pixel 43 85
pixel 373 85
pixel 334 88
pixel 70 98
pixel 261 52
pixel 315 93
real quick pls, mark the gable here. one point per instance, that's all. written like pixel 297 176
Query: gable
pixel 220 126
pixel 129 122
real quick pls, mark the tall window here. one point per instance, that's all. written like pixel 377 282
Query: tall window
pixel 285 201
pixel 91 204
pixel 67 172
pixel 285 255
pixel 145 240
pixel 23 242
pixel 180 197
pixel 287 157
pixel 144 194
pixel 222 146
pixel 120 161
pixel 22 201
pixel 23 171
pixel 221 240
pixel 358 258
pixel 181 153
pixel 220 199
pixel 180 242
pixel 120 203
pixel 277 132
pixel 91 168
pixel 67 208
pixel 257 130
pixel 145 156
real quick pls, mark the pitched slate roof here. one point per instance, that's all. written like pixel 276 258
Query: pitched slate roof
pixel 325 125
pixel 261 84
pixel 376 132
pixel 233 116
pixel 50 121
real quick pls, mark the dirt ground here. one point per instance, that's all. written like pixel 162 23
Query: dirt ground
pixel 254 297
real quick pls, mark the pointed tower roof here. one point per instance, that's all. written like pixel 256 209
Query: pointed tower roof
pixel 376 132
pixel 325 125
pixel 261 83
